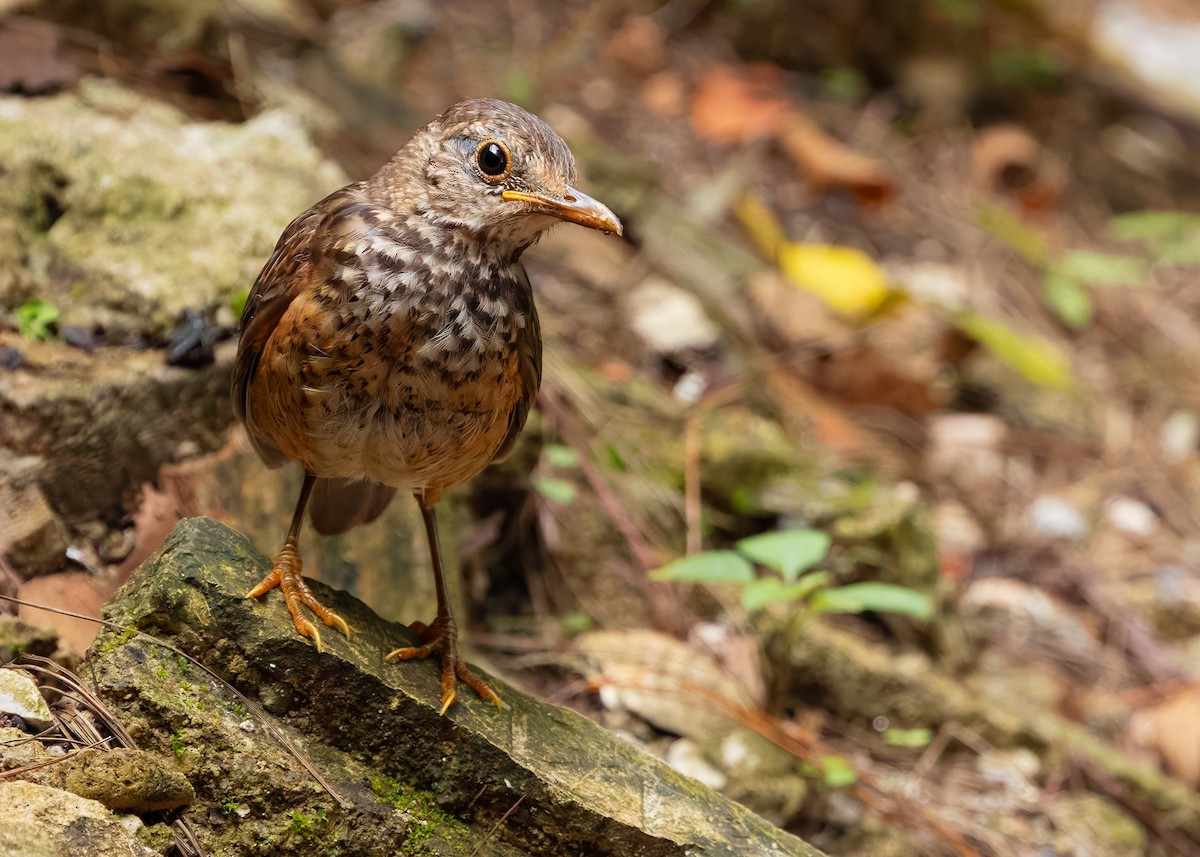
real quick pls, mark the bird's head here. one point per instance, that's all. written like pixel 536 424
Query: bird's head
pixel 492 168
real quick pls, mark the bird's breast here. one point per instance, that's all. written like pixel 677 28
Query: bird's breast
pixel 411 387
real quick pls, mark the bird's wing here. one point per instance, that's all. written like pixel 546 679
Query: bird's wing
pixel 299 256
pixel 529 378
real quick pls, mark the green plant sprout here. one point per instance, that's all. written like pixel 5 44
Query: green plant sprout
pixel 790 555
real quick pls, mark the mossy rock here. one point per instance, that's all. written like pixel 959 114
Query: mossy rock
pixel 531 779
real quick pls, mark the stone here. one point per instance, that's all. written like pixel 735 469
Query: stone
pixel 123 213
pixel 18 637
pixel 128 780
pixel 531 779
pixel 41 821
pixel 20 697
pixel 32 537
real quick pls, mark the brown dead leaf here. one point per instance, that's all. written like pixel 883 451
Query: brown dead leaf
pixel 828 163
pixel 1008 160
pixel 860 376
pixel 1171 730
pixel 739 105
pixel 636 47
pixel 77 591
pixel 157 512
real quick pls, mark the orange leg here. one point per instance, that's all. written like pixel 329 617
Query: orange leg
pixel 442 634
pixel 286 575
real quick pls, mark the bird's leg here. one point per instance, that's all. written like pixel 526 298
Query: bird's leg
pixel 442 635
pixel 286 575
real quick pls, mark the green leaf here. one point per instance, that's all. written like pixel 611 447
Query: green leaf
pixel 36 319
pixel 1037 359
pixel 1173 236
pixel 1107 269
pixel 757 594
pixel 908 737
pixel 576 622
pixel 237 302
pixel 836 772
pixel 1153 225
pixel 788 552
pixel 555 490
pixel 615 460
pixel 1069 299
pixel 561 455
pixel 882 597
pixel 708 567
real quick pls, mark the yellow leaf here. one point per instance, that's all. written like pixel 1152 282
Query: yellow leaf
pixel 848 280
pixel 760 224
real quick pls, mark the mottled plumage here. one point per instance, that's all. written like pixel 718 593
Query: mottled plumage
pixel 391 341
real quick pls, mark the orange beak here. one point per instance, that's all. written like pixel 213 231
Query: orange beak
pixel 574 207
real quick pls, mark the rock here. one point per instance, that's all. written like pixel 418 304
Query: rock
pixel 128 780
pixel 1092 825
pixel 18 637
pixel 40 821
pixel 123 213
pixel 1056 518
pixel 20 697
pixel 32 537
pixel 533 778
pixel 102 424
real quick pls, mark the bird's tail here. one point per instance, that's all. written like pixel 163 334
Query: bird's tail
pixel 339 504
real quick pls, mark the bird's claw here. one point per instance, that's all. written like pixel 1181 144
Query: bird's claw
pixel 443 636
pixel 297 595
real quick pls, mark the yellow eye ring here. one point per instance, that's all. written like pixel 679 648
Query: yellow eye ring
pixel 493 161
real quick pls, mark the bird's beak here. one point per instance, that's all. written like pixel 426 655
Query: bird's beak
pixel 574 206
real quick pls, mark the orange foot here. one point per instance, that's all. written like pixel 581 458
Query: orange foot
pixel 442 636
pixel 297 596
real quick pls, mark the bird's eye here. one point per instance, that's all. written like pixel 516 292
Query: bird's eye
pixel 493 161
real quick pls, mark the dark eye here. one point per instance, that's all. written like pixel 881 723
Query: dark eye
pixel 492 159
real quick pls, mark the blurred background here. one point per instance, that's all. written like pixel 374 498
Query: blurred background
pixel 863 484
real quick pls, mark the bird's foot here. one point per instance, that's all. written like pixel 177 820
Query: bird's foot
pixel 442 636
pixel 296 594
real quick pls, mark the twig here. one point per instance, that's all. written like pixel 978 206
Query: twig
pixel 496 826
pixel 692 437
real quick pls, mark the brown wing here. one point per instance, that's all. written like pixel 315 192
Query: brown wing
pixel 530 346
pixel 296 256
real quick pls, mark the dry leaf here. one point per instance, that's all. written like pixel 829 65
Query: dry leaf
pixel 829 163
pixel 1171 730
pixel 636 46
pixel 664 681
pixel 732 106
pixel 1009 160
pixel 76 591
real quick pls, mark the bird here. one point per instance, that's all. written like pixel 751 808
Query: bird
pixel 391 341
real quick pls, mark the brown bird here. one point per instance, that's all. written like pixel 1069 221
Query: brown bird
pixel 391 341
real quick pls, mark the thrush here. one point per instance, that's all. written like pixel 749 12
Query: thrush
pixel 391 342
